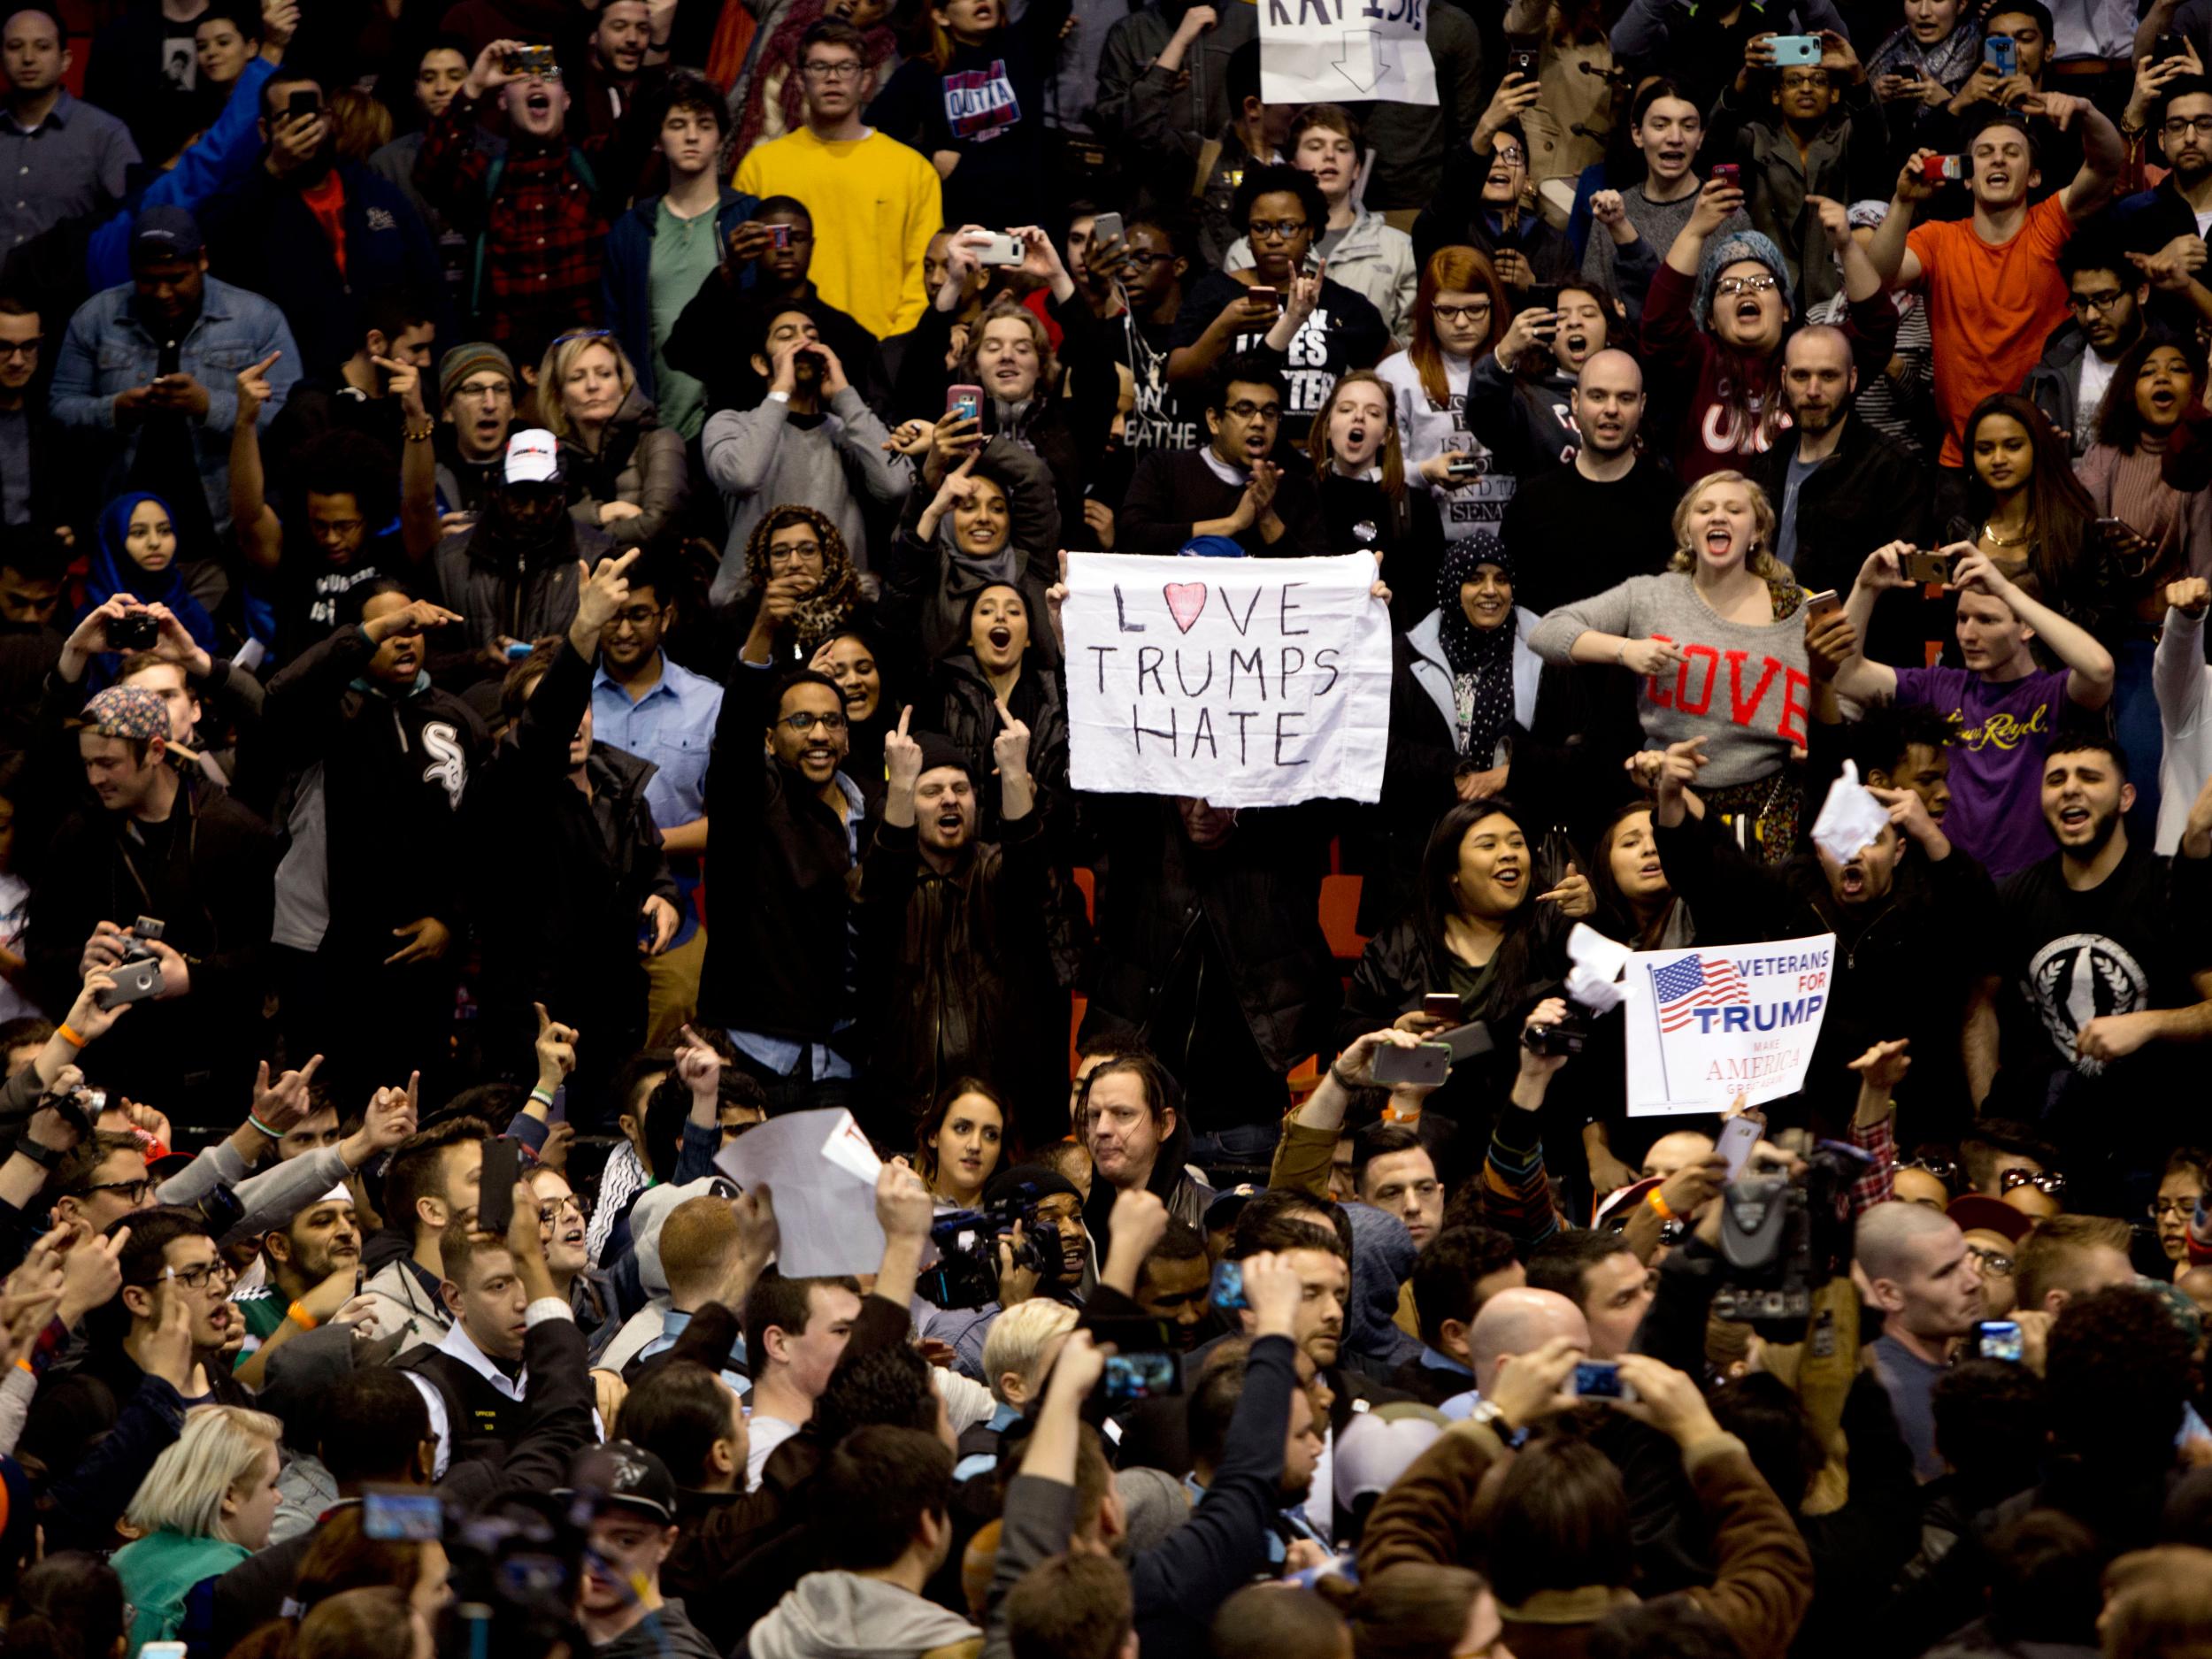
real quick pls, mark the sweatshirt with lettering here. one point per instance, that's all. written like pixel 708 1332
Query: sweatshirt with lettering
pixel 1743 687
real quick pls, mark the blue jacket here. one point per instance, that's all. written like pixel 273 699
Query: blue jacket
pixel 216 161
pixel 107 350
pixel 628 282
pixel 267 240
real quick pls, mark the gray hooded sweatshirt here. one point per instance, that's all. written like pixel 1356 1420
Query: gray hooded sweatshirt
pixel 843 1615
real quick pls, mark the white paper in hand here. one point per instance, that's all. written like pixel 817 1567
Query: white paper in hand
pixel 1849 819
pixel 821 1173
pixel 1594 980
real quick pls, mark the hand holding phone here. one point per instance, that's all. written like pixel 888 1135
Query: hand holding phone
pixel 1923 568
pixel 1423 1065
pixel 496 1195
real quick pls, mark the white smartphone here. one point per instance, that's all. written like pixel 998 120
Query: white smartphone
pixel 1738 1136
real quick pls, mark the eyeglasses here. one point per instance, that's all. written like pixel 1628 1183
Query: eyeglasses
pixel 1994 1262
pixel 795 552
pixel 137 1192
pixel 550 1212
pixel 2186 127
pixel 1729 288
pixel 636 617
pixel 202 1275
pixel 1476 312
pixel 2159 1208
pixel 1246 410
pixel 1510 157
pixel 2099 302
pixel 2048 1182
pixel 22 347
pixel 1275 229
pixel 490 392
pixel 803 722
pixel 1943 1169
pixel 832 71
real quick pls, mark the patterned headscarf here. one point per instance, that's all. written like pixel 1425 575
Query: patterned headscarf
pixel 830 606
pixel 1481 658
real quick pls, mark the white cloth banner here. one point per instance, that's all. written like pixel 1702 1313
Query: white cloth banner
pixel 1708 1024
pixel 1246 682
pixel 1334 52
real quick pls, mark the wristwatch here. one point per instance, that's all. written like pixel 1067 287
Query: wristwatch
pixel 45 1157
pixel 1488 1414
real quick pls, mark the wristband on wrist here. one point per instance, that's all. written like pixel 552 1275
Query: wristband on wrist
pixel 298 1315
pixel 260 1128
pixel 1660 1206
pixel 541 1093
pixel 69 1035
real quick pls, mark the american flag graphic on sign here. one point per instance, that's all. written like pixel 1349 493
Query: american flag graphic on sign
pixel 1695 982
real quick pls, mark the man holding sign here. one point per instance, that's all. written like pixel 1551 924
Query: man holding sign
pixel 1902 911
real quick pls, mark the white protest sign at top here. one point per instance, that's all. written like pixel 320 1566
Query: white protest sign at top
pixel 1245 683
pixel 1334 52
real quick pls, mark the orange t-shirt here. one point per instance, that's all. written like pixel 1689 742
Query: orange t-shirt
pixel 1990 309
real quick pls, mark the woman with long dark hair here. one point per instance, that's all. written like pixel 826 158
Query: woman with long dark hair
pixel 2145 471
pixel 1486 928
pixel 2026 509
pixel 960 1143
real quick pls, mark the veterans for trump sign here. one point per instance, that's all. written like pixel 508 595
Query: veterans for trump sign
pixel 1708 1024
pixel 1246 682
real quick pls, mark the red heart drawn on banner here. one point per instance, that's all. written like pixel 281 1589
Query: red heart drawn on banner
pixel 1185 601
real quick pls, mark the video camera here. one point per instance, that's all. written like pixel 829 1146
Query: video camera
pixel 138 976
pixel 966 1273
pixel 1781 1241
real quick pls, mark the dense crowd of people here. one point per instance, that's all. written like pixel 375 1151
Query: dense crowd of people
pixel 477 480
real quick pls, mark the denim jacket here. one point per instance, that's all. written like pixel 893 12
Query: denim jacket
pixel 108 351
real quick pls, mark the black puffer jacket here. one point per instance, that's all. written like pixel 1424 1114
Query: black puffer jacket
pixel 967 710
pixel 1252 904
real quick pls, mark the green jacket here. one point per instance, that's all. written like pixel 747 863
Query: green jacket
pixel 159 1572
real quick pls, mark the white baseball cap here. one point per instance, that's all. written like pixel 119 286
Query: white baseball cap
pixel 533 457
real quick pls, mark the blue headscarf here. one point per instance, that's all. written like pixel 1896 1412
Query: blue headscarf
pixel 113 573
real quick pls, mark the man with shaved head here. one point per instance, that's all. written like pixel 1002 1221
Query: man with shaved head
pixel 1613 505
pixel 1842 482
pixel 1513 1322
pixel 1919 1273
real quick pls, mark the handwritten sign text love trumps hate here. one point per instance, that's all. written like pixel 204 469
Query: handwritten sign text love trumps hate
pixel 1246 682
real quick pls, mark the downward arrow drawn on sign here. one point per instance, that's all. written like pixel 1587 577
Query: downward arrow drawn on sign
pixel 1353 65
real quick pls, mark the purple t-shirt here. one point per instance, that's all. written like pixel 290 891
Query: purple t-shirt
pixel 2000 735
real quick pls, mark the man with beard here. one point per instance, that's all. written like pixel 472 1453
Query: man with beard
pixel 2151 220
pixel 1612 505
pixel 512 574
pixel 2105 967
pixel 1842 487
pixel 648 706
pixel 1992 280
pixel 781 971
pixel 1908 949
pixel 1230 488
pixel 532 214
pixel 621 72
pixel 314 1264
pixel 810 438
pixel 955 926
pixel 2003 709
pixel 476 392
pixel 317 235
pixel 2107 296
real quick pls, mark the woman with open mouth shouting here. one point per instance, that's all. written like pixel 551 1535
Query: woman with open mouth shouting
pixel 1719 644
pixel 996 665
pixel 1360 469
pixel 2147 473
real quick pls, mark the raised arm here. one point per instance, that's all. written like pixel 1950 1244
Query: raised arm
pixel 1856 677
pixel 1897 266
pixel 2090 672
pixel 260 535
pixel 2103 151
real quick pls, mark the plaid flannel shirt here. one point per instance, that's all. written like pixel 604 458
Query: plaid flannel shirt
pixel 1878 1185
pixel 541 233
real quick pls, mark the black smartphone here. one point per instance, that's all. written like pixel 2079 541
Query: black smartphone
pixel 495 1197
pixel 1522 64
pixel 170 361
pixel 2168 46
pixel 305 104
